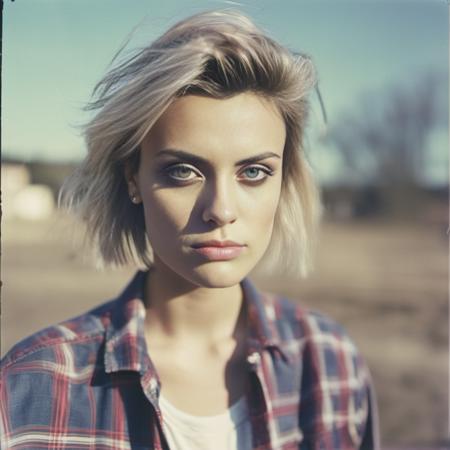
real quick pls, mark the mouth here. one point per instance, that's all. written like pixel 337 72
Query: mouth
pixel 215 243
pixel 218 250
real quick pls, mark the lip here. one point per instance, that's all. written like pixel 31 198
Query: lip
pixel 218 250
pixel 215 253
pixel 215 243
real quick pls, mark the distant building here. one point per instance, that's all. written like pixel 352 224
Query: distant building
pixel 15 176
pixel 20 198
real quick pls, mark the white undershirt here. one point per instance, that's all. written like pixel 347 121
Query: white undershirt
pixel 230 430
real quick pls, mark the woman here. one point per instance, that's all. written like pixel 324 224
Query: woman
pixel 195 169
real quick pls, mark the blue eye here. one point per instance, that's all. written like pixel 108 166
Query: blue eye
pixel 252 172
pixel 183 172
pixel 257 173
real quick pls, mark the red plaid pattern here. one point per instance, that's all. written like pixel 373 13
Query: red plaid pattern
pixel 89 382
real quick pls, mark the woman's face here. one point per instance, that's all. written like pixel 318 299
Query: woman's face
pixel 211 169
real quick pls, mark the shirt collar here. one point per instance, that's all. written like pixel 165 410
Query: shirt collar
pixel 126 348
pixel 261 317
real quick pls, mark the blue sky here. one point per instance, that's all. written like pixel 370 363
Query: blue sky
pixel 54 51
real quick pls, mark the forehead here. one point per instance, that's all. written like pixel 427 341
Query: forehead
pixel 243 124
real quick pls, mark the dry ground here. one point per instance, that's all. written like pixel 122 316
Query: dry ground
pixel 387 283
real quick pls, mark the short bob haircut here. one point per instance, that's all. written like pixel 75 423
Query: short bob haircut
pixel 217 54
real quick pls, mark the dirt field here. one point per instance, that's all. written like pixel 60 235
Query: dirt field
pixel 387 283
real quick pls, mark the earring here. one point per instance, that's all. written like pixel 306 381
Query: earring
pixel 134 199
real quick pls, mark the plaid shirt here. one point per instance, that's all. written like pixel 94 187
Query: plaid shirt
pixel 89 382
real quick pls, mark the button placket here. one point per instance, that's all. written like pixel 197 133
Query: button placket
pixel 254 359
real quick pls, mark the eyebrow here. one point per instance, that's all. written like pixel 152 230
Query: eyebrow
pixel 199 160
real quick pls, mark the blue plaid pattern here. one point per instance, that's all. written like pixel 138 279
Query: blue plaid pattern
pixel 89 383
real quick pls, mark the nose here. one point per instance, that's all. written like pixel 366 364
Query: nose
pixel 219 205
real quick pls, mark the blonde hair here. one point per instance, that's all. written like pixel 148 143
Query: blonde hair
pixel 219 54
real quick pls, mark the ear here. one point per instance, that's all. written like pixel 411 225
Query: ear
pixel 132 183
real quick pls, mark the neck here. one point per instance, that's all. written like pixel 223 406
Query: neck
pixel 179 309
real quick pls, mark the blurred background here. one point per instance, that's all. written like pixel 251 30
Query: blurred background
pixel 381 160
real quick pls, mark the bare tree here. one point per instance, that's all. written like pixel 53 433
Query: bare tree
pixel 384 142
pixel 385 139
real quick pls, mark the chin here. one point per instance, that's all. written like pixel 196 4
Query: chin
pixel 219 274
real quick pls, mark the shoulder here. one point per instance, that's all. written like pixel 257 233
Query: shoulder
pixel 320 340
pixel 45 370
pixel 336 393
pixel 43 346
pixel 292 320
pixel 72 349
pixel 43 373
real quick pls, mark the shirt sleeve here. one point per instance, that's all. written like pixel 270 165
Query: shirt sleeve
pixel 27 395
pixel 371 437
pixel 338 407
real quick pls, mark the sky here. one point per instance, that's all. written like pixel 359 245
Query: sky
pixel 54 52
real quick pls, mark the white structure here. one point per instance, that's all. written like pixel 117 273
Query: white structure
pixel 23 200
pixel 14 178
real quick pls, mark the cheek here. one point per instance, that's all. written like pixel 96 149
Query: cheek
pixel 273 196
pixel 263 211
pixel 165 215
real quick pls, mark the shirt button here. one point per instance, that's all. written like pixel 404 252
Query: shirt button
pixel 153 384
pixel 254 358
